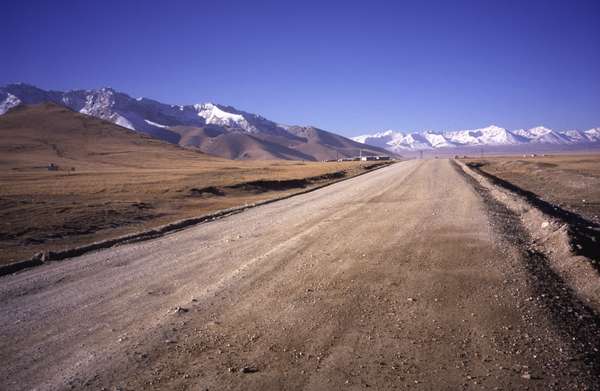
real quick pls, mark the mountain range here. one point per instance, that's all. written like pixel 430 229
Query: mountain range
pixel 492 136
pixel 211 128
pixel 227 132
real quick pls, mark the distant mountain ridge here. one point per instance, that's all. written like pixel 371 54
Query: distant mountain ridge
pixel 212 128
pixel 489 136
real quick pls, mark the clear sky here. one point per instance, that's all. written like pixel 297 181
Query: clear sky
pixel 345 66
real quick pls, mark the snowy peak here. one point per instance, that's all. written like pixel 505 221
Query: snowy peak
pixel 409 141
pixel 593 135
pixel 541 134
pixel 495 135
pixel 380 139
pixel 216 115
pixel 489 136
pixel 8 101
pixel 539 131
pixel 436 140
pixel 576 136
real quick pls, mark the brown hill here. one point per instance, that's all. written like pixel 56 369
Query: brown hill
pixel 325 145
pixel 35 136
pixel 296 143
pixel 238 144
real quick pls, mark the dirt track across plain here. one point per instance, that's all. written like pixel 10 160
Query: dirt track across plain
pixel 396 279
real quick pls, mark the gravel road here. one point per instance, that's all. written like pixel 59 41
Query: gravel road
pixel 400 278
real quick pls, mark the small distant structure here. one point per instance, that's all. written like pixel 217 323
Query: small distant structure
pixel 361 158
pixel 368 158
pixel 52 167
pixel 371 158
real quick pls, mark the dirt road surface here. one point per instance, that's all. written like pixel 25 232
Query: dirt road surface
pixel 397 279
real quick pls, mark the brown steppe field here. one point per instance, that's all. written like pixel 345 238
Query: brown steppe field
pixel 571 182
pixel 112 182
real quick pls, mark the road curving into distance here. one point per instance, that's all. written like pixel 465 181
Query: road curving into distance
pixel 400 278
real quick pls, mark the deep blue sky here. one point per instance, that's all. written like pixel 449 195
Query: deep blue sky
pixel 345 66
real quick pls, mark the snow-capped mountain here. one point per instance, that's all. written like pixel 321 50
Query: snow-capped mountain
pixel 402 141
pixel 409 141
pixel 143 115
pixel 489 136
pixel 212 128
pixel 378 139
pixel 228 132
pixel 214 115
pixel 8 101
pixel 541 134
pixel 593 134
pixel 437 140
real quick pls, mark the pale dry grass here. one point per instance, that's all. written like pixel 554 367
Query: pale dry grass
pixel 570 181
pixel 43 210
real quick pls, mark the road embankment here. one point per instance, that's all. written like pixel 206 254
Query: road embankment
pixel 569 242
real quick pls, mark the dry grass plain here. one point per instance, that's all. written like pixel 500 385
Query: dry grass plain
pixel 569 181
pixel 123 182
